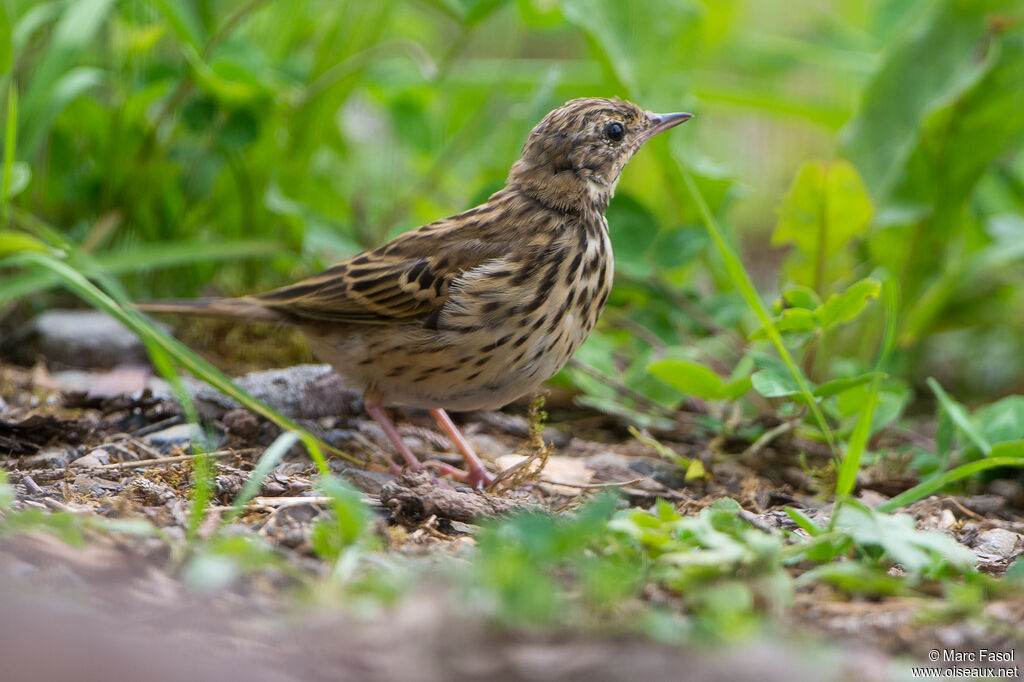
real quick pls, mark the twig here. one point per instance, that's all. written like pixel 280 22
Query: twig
pixel 291 501
pixel 32 486
pixel 173 460
pixel 766 438
pixel 588 486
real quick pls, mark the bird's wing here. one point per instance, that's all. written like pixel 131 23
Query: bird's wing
pixel 406 279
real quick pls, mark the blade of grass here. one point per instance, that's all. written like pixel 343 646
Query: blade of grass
pixel 960 417
pixel 138 260
pixel 925 488
pixel 741 280
pixel 847 477
pixel 10 144
pixel 181 354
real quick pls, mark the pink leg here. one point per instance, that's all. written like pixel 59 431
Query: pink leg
pixel 376 411
pixel 478 476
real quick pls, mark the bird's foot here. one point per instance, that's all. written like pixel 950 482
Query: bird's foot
pixel 478 478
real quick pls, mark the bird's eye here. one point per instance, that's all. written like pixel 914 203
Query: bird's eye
pixel 614 131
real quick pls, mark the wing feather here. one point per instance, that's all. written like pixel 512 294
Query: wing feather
pixel 399 282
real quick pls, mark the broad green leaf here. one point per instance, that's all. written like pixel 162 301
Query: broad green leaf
pixel 773 383
pixel 844 307
pixel 689 377
pixel 1009 449
pixel 797 296
pixel 959 415
pixel 1002 421
pixel 38 118
pixel 916 551
pixel 12 242
pixel 647 46
pixel 929 66
pixel 183 20
pixel 736 388
pixel 633 229
pixel 826 207
pixel 856 578
pixel 837 386
pixel 80 23
pixel 791 321
pixel 959 140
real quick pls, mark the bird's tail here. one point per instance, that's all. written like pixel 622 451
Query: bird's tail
pixel 242 309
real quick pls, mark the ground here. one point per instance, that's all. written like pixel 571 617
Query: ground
pixel 131 601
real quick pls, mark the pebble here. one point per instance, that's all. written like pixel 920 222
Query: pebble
pixel 48 458
pixel 179 435
pixel 96 458
pixel 1000 542
pixel 80 338
pixel 299 392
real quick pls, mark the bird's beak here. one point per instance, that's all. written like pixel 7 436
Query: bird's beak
pixel 662 122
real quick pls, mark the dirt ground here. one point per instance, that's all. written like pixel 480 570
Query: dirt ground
pixel 119 603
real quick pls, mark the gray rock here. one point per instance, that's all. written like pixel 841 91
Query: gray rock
pixel 999 542
pixel 299 392
pixel 48 458
pixel 97 457
pixel 179 435
pixel 78 338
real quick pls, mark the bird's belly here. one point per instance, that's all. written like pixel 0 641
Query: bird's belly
pixel 482 369
pixel 491 346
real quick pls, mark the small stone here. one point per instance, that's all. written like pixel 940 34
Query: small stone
pixel 1000 542
pixel 80 338
pixel 48 458
pixel 179 435
pixel 96 458
pixel 487 446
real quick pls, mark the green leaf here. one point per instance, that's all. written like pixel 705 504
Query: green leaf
pixel 960 417
pixel 13 242
pixel 637 40
pixel 825 209
pixel 6 46
pixel 796 296
pixel 856 578
pixel 183 20
pixel 929 67
pixel 896 535
pixel 844 307
pixel 790 321
pixel 837 386
pixel 1009 455
pixel 80 22
pixel 691 378
pixel 633 229
pixel 1003 420
pixel 804 522
pixel 772 383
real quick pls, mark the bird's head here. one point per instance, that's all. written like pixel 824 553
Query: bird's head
pixel 573 158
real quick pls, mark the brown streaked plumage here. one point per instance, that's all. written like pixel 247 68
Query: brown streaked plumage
pixel 478 309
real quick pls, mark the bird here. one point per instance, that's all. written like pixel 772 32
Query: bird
pixel 472 311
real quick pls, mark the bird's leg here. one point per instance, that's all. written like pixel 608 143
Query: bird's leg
pixel 376 410
pixel 478 476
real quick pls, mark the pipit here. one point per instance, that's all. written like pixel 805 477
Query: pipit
pixel 473 311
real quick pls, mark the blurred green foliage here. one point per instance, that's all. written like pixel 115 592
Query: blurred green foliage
pixel 229 145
